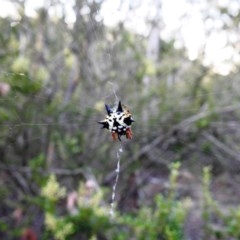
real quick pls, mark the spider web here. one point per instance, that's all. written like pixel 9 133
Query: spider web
pixel 109 96
pixel 92 110
pixel 120 149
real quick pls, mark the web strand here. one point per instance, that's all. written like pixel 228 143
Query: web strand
pixel 113 90
pixel 117 170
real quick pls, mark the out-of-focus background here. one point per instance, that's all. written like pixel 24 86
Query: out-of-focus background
pixel 174 64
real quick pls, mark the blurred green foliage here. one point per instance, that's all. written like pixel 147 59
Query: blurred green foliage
pixel 54 80
pixel 91 218
pixel 164 220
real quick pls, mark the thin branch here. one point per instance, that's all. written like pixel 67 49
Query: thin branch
pixel 222 146
pixel 67 172
pixel 57 171
pixel 205 114
pixel 20 181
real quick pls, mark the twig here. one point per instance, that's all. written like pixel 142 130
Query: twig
pixel 222 146
pixel 57 171
pixel 19 180
pixel 205 114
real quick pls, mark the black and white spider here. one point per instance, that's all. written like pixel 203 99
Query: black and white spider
pixel 118 122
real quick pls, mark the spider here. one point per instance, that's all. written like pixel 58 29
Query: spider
pixel 118 122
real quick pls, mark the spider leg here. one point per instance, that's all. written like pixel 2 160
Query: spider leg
pixel 119 138
pixel 114 136
pixel 129 133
